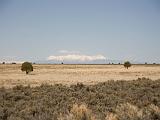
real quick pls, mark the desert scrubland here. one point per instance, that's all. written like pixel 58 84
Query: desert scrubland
pixel 111 100
pixel 80 92
pixel 11 75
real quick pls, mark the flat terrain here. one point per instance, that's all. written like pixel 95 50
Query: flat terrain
pixel 11 75
pixel 96 98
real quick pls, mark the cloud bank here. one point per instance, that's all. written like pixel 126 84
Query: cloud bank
pixel 68 52
pixel 11 61
pixel 76 57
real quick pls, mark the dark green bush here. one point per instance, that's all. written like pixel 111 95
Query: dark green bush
pixel 127 64
pixel 27 67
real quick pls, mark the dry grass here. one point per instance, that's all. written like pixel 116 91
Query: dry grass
pixel 11 75
pixel 124 111
pixel 78 112
pixel 128 111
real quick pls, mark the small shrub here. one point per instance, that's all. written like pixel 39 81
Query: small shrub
pixel 111 116
pixel 27 67
pixel 152 112
pixel 127 64
pixel 81 112
pixel 128 112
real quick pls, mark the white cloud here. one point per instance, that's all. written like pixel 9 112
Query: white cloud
pixel 76 57
pixel 11 61
pixel 68 52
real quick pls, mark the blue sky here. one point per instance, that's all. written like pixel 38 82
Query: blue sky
pixel 117 29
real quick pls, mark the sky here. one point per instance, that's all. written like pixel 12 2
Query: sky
pixel 32 30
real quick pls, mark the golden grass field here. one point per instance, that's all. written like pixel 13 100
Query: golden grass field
pixel 11 75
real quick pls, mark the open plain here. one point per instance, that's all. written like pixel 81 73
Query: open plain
pixel 11 74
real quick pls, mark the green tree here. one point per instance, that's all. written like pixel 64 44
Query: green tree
pixel 26 66
pixel 127 64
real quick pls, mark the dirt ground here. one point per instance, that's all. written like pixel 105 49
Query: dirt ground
pixel 11 75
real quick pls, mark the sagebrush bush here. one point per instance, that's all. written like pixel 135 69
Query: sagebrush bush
pixel 81 112
pixel 111 116
pixel 128 111
pixel 49 102
pixel 78 112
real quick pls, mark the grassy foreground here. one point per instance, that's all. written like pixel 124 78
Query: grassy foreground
pixel 112 100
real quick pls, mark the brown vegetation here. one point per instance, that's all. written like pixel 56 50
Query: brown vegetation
pixel 112 100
